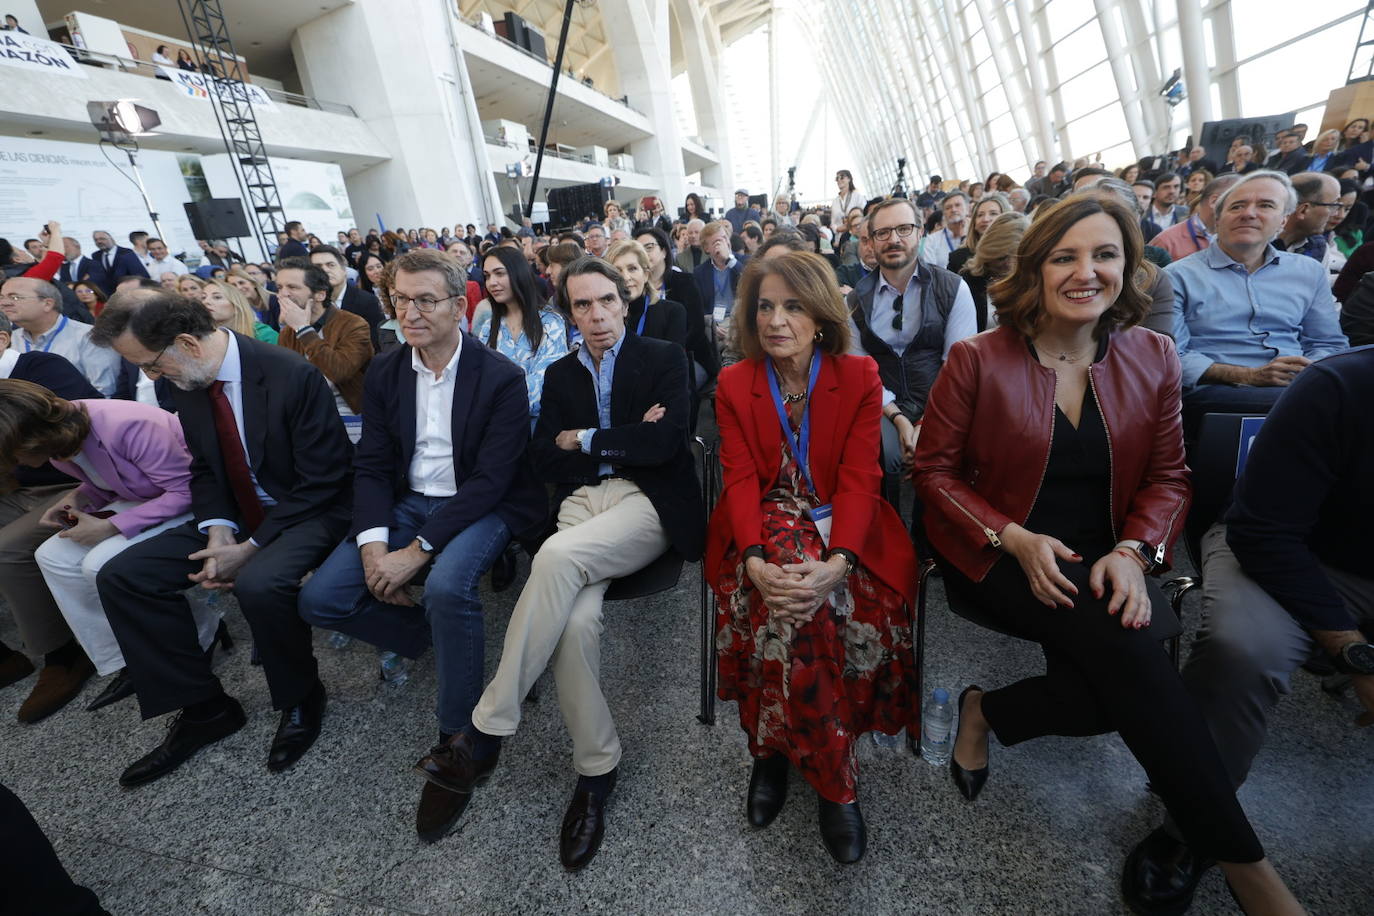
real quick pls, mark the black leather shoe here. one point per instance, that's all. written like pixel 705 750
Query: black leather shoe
pixel 184 738
pixel 767 789
pixel 121 687
pixel 1161 875
pixel 439 810
pixel 503 570
pixel 14 667
pixel 843 831
pixel 451 765
pixel 300 726
pixel 970 782
pixel 583 827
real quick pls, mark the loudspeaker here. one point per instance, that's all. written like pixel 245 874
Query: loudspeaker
pixel 217 218
pixel 575 203
pixel 514 29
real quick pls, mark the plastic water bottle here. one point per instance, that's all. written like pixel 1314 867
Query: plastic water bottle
pixel 888 742
pixel 339 640
pixel 393 669
pixel 937 728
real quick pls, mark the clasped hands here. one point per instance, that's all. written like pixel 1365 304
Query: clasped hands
pixel 567 440
pixel 88 530
pixel 793 592
pixel 388 572
pixel 1037 554
pixel 223 557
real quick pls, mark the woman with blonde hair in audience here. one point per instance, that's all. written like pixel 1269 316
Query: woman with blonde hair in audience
pixel 192 287
pixel 993 259
pixel 613 218
pixel 1324 148
pixel 650 315
pixel 1051 467
pixel 228 307
pixel 980 218
pixel 814 571
pixel 263 303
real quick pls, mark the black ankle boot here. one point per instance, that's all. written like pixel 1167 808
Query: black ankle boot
pixel 767 789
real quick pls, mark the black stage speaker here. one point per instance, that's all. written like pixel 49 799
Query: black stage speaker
pixel 575 203
pixel 515 29
pixel 217 218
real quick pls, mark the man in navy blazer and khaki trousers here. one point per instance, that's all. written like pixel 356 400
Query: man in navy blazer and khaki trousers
pixel 612 439
pixel 441 480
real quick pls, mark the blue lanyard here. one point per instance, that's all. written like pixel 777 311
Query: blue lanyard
pixel 801 442
pixel 1193 233
pixel 949 240
pixel 28 344
pixel 643 315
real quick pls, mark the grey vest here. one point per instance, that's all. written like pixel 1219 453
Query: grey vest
pixel 909 375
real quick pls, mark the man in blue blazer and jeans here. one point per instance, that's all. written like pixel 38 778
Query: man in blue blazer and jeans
pixel 441 482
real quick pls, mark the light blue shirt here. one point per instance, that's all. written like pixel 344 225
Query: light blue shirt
pixel 1225 314
pixel 553 347
pixel 601 381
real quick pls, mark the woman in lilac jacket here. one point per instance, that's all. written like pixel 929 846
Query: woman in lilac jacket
pixel 135 474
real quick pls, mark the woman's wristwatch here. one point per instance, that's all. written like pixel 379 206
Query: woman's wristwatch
pixel 847 555
pixel 1141 551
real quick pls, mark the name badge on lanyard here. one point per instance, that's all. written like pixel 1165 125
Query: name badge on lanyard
pixel 28 344
pixel 800 442
pixel 639 331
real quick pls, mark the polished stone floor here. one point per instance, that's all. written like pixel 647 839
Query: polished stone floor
pixel 335 835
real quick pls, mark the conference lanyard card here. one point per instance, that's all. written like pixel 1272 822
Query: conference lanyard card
pixel 821 517
pixel 719 314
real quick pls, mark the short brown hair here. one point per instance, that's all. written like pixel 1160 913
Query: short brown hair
pixel 563 253
pixel 719 227
pixel 1018 295
pixel 34 421
pixel 813 280
pixel 419 260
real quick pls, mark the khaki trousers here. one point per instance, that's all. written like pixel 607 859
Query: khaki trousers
pixel 604 532
pixel 40 623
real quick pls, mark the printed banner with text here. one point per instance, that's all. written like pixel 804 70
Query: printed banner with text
pixel 197 87
pixel 30 53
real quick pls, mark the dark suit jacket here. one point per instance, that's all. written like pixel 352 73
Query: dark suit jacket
pixel 490 432
pixel 68 273
pixel 850 274
pixel 365 306
pixel 705 279
pixel 292 249
pixel 1289 163
pixel 63 379
pixel 124 264
pixel 297 446
pixel 667 320
pixel 679 286
pixel 655 456
pixel 126 387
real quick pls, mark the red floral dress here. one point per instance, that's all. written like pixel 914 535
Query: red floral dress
pixel 811 691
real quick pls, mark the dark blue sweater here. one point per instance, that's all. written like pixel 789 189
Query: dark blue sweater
pixel 1306 496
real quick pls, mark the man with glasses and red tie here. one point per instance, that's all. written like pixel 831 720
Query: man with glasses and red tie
pixel 906 315
pixel 270 499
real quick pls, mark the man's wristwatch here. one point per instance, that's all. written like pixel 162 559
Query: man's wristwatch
pixel 1355 658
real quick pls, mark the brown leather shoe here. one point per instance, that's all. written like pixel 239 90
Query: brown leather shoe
pixel 450 765
pixel 57 686
pixel 439 810
pixel 14 666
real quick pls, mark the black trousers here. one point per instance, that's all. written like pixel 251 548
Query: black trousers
pixel 1101 677
pixel 32 879
pixel 141 590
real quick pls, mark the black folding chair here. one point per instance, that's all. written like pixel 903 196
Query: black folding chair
pixel 710 492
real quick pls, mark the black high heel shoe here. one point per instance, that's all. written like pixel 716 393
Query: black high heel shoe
pixel 221 639
pixel 970 782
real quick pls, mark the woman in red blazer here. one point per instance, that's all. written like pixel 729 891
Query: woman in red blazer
pixel 1052 471
pixel 814 571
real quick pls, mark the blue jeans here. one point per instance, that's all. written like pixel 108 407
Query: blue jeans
pixel 450 614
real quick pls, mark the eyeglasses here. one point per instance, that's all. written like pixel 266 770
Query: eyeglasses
pixel 149 368
pixel 903 231
pixel 15 297
pixel 424 304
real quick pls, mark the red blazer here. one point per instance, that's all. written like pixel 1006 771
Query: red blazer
pixel 846 409
pixel 986 436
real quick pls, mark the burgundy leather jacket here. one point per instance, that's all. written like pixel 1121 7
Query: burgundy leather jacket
pixel 985 443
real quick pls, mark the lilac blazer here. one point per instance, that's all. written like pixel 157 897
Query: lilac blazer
pixel 141 453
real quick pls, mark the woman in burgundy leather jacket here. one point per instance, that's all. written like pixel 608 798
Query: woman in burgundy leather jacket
pixel 1051 467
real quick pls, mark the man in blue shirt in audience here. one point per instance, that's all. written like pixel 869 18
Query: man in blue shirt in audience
pixel 1247 317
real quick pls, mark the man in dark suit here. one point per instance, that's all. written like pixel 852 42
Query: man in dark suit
pixel 113 263
pixel 717 277
pixel 294 246
pixel 1290 158
pixel 133 384
pixel 77 267
pixel 270 495
pixel 441 481
pixel 346 296
pixel 612 439
pixel 41 626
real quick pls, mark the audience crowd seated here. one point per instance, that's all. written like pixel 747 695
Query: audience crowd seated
pixel 961 338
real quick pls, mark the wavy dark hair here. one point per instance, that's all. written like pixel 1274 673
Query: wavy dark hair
pixel 1018 295
pixel 36 422
pixel 523 288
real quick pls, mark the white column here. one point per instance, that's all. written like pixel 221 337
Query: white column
pixel 1034 55
pixel 1118 56
pixel 1195 64
pixel 699 48
pixel 641 58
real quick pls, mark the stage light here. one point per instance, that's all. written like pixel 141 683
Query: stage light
pixel 122 118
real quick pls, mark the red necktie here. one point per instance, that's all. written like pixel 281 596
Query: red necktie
pixel 235 459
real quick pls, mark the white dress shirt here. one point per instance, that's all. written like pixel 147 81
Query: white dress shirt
pixel 939 245
pixel 431 466
pixel 8 359
pixel 231 374
pixel 71 340
pixel 170 264
pixel 145 390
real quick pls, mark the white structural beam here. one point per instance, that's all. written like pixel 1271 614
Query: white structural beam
pixel 959 47
pixel 1034 59
pixel 703 77
pixel 1003 52
pixel 1129 94
pixel 1195 70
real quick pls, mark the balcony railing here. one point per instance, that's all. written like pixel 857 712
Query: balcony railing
pixel 556 152
pixel 150 70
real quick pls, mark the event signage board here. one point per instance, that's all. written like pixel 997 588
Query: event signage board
pixel 197 86
pixel 31 53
